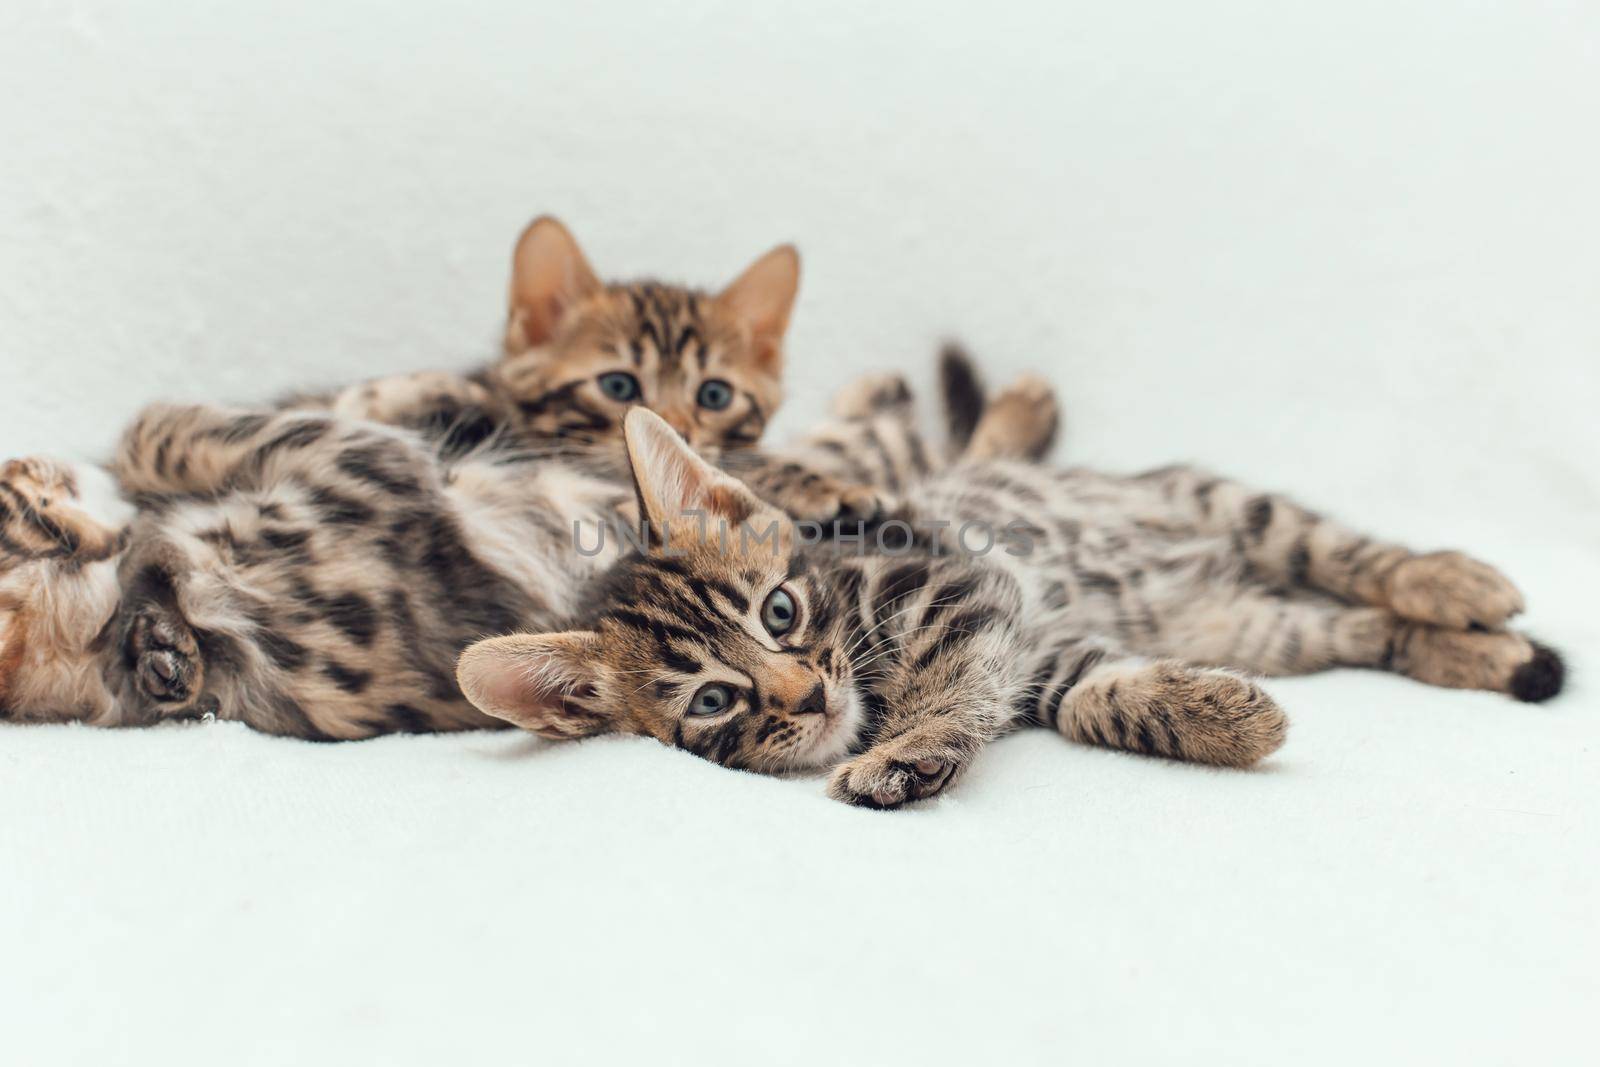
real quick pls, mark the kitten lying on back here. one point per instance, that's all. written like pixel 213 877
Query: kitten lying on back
pixel 1110 610
pixel 578 352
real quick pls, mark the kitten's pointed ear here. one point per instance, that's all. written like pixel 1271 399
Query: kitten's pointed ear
pixel 540 682
pixel 671 480
pixel 762 298
pixel 548 275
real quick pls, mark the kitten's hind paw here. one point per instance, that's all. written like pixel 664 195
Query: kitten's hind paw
pixel 164 657
pixel 1454 590
pixel 1019 423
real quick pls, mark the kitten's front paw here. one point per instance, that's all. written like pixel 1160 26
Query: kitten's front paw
pixel 824 499
pixel 894 773
pixel 1454 590
pixel 164 657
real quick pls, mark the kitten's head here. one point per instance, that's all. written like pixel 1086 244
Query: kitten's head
pixel 722 645
pixel 580 353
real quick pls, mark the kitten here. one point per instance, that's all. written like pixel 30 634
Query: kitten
pixel 578 353
pixel 1116 610
pixel 307 575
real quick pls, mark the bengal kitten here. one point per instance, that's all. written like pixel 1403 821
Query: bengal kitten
pixel 1116 610
pixel 578 353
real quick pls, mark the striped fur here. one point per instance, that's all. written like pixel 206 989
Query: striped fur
pixel 308 575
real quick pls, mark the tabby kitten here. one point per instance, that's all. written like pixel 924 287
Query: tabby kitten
pixel 1116 610
pixel 578 353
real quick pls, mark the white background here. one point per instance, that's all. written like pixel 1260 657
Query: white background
pixel 1348 249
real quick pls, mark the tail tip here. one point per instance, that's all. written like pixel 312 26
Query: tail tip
pixel 962 391
pixel 1541 678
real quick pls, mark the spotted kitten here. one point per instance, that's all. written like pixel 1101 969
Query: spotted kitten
pixel 305 574
pixel 579 353
pixel 1115 610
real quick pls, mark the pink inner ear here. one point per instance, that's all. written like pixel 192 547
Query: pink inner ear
pixel 544 319
pixel 518 688
pixel 540 689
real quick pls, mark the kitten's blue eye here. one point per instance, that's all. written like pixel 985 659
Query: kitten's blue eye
pixel 713 699
pixel 620 385
pixel 715 394
pixel 778 613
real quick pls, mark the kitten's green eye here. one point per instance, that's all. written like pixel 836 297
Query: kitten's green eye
pixel 713 699
pixel 778 613
pixel 620 385
pixel 715 394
